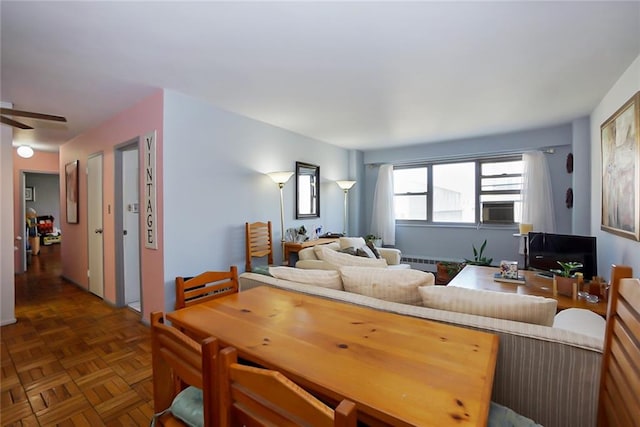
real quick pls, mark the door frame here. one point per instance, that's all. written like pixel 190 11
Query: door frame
pixel 118 210
pixel 86 174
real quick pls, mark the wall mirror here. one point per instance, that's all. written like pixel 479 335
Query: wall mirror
pixel 307 190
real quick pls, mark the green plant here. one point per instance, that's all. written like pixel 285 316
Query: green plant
pixel 369 237
pixel 478 255
pixel 452 267
pixel 567 268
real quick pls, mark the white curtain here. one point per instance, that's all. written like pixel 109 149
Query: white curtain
pixel 537 196
pixel 383 218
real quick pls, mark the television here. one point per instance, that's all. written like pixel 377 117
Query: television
pixel 546 249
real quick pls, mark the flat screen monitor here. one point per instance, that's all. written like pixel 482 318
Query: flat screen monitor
pixel 546 249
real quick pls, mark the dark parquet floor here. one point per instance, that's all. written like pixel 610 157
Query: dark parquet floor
pixel 71 359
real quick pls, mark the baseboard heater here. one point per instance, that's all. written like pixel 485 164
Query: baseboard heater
pixel 424 263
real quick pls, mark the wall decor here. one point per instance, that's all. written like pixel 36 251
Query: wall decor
pixel 620 138
pixel 71 184
pixel 29 194
pixel 307 190
pixel 150 214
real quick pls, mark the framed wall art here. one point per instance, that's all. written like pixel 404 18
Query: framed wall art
pixel 620 138
pixel 71 184
pixel 29 194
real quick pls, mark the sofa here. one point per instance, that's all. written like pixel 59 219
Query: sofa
pixel 547 374
pixel 319 258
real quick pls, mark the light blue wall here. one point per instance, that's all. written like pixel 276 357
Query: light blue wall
pixel 442 242
pixel 612 249
pixel 214 181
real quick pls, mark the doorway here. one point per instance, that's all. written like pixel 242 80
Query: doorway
pixel 41 193
pixel 127 215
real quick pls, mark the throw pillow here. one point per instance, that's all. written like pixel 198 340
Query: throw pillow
pixel 354 242
pixel 339 259
pixel 323 278
pixel 499 305
pixel 188 407
pixel 373 249
pixel 389 285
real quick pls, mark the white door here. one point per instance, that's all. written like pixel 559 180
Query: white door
pixel 94 224
pixel 131 228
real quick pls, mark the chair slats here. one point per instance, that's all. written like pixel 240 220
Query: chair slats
pixel 619 403
pixel 259 242
pixel 177 362
pixel 252 396
pixel 205 287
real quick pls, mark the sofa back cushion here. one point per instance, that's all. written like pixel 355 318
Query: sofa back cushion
pixel 386 284
pixel 309 253
pixel 339 259
pixel 323 278
pixel 499 305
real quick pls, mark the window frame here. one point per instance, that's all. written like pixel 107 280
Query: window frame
pixel 478 162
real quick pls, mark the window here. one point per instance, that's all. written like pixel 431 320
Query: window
pixel 480 190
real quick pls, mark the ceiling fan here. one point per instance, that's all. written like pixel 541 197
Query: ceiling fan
pixel 18 113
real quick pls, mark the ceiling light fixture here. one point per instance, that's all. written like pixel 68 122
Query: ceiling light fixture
pixel 25 151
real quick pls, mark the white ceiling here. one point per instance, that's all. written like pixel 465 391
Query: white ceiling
pixel 359 75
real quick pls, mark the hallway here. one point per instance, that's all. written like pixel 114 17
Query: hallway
pixel 71 359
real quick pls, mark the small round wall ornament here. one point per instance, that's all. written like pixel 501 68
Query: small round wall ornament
pixel 570 163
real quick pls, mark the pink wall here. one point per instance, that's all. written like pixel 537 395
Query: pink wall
pixel 130 124
pixel 40 162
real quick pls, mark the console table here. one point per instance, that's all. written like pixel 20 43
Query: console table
pixel 477 277
pixel 295 247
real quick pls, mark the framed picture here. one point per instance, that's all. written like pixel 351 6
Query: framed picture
pixel 71 184
pixel 29 194
pixel 620 137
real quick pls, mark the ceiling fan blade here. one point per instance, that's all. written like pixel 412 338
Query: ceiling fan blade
pixel 8 121
pixel 41 116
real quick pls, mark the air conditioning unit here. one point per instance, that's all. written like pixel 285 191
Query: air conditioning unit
pixel 497 212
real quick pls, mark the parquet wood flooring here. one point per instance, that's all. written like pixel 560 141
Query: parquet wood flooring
pixel 71 359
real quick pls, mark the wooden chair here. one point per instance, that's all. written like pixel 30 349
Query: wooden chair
pixel 252 396
pixel 619 401
pixel 259 242
pixel 179 362
pixel 206 286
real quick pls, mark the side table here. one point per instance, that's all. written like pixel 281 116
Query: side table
pixel 295 247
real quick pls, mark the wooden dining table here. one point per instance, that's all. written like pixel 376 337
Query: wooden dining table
pixel 399 370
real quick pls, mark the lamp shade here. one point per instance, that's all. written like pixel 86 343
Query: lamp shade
pixel 25 151
pixel 345 185
pixel 280 177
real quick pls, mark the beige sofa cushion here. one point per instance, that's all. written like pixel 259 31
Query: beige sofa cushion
pixel 386 284
pixel 340 259
pixel 499 305
pixel 310 254
pixel 323 278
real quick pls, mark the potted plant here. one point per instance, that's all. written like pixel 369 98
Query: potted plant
pixel 377 240
pixel 447 270
pixel 478 256
pixel 564 279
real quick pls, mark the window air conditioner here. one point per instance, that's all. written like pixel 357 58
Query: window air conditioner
pixel 497 212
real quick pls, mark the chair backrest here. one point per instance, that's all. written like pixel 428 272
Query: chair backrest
pixel 251 396
pixel 177 362
pixel 206 286
pixel 259 242
pixel 619 401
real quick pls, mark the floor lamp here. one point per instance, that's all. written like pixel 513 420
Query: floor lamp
pixel 346 186
pixel 281 179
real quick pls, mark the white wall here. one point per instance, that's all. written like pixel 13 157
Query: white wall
pixel 7 280
pixel 611 248
pixel 214 181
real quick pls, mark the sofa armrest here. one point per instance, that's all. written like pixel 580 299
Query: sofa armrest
pixel 392 255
